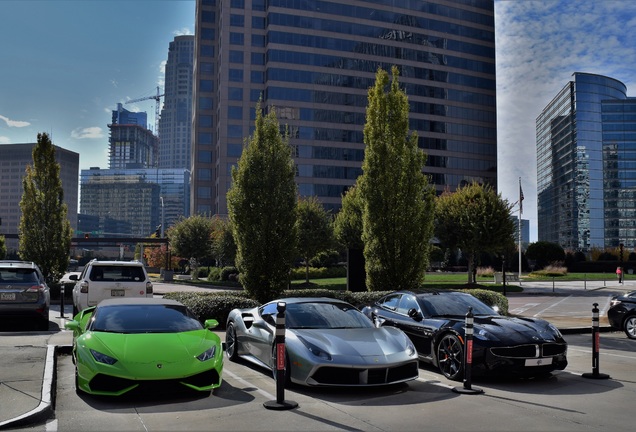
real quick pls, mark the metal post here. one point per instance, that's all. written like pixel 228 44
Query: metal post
pixel 62 302
pixel 503 275
pixel 468 358
pixel 596 342
pixel 279 350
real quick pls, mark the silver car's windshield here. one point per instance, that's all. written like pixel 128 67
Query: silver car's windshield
pixel 324 316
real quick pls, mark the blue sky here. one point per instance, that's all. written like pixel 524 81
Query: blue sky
pixel 65 64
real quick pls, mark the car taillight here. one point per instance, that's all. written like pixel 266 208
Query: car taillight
pixel 148 287
pixel 84 287
pixel 35 288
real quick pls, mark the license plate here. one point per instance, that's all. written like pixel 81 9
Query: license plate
pixel 7 296
pixel 117 293
pixel 538 362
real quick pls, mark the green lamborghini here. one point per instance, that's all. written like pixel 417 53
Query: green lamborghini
pixel 144 345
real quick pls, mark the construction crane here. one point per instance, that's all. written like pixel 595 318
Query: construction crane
pixel 157 106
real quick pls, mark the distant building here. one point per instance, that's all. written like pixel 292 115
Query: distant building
pixel 175 123
pixel 131 143
pixel 14 159
pixel 132 202
pixel 586 165
pixel 525 232
pixel 314 61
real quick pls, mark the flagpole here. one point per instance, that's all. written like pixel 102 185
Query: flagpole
pixel 519 226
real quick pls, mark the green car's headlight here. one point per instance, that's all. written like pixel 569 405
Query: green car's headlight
pixel 103 358
pixel 208 354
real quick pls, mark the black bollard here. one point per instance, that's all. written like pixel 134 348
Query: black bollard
pixel 468 358
pixel 596 344
pixel 62 302
pixel 279 349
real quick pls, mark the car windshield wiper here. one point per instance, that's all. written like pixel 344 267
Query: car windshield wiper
pixel 447 315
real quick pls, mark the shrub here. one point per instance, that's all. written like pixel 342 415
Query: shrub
pixel 227 271
pixel 299 273
pixel 202 272
pixel 219 304
pixel 214 274
pixel 552 270
pixel 485 271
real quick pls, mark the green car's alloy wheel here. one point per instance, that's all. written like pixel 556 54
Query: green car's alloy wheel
pixel 450 357
pixel 230 342
pixel 630 327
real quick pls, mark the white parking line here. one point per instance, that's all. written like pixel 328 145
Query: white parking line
pixel 520 310
pixel 603 353
pixel 551 306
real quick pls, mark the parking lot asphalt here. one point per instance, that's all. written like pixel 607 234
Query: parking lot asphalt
pixel 28 359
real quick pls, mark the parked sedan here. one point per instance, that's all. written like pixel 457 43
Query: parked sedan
pixel 435 322
pixel 328 342
pixel 622 313
pixel 144 344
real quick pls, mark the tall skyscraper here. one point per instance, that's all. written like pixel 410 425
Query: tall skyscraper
pixel 586 165
pixel 175 124
pixel 314 61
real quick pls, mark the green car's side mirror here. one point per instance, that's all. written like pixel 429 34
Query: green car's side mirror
pixel 210 324
pixel 72 325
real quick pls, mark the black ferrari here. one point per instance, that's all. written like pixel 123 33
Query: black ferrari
pixel 622 313
pixel 435 322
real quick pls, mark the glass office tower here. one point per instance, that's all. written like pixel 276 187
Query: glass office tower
pixel 582 162
pixel 314 61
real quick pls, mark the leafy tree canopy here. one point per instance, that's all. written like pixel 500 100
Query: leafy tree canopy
pixel 191 237
pixel 397 201
pixel 44 230
pixel 315 230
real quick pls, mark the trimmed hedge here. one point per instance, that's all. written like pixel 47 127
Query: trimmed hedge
pixel 300 273
pixel 219 304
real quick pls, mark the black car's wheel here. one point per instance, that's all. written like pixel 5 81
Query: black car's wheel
pixel 43 324
pixel 75 311
pixel 630 326
pixel 231 342
pixel 450 357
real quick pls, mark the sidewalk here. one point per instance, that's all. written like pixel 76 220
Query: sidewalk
pixel 28 361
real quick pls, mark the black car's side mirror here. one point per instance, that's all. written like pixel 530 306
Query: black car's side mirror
pixel 415 314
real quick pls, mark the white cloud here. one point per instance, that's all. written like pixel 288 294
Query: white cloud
pixel 14 123
pixel 183 32
pixel 87 133
pixel 5 140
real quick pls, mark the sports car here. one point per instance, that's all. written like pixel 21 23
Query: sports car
pixel 622 313
pixel 144 344
pixel 435 322
pixel 328 342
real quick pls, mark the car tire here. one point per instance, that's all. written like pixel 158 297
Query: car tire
pixel 43 324
pixel 629 326
pixel 450 357
pixel 75 311
pixel 231 342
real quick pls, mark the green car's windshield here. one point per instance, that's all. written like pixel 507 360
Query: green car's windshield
pixel 144 319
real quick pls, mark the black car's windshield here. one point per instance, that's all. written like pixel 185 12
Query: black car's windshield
pixel 144 319
pixel 324 316
pixel 453 304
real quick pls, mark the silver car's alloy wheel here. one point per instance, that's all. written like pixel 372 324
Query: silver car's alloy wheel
pixel 230 342
pixel 630 327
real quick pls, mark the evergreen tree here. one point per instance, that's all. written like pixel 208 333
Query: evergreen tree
pixel 315 230
pixel 262 210
pixel 44 231
pixel 474 219
pixel 397 217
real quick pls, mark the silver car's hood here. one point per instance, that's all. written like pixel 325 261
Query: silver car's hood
pixel 355 342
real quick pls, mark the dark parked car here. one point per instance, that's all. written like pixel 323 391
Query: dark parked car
pixel 435 321
pixel 622 313
pixel 24 292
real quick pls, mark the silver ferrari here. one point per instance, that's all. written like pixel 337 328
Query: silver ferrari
pixel 328 342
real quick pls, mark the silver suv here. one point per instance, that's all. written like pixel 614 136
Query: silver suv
pixel 24 292
pixel 107 279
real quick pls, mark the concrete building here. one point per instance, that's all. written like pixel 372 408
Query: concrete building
pixel 132 202
pixel 14 159
pixel 175 123
pixel 586 165
pixel 525 232
pixel 314 61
